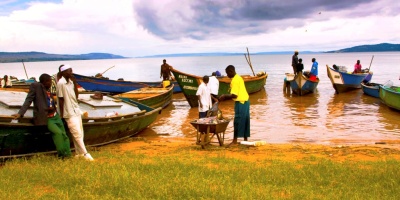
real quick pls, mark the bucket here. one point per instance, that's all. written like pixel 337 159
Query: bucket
pixel 166 83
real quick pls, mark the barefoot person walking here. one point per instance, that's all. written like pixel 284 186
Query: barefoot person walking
pixel 238 92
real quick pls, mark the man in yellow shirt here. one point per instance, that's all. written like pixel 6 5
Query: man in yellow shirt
pixel 238 92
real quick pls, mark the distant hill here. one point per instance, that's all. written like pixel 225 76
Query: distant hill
pixel 370 48
pixel 6 57
pixel 224 54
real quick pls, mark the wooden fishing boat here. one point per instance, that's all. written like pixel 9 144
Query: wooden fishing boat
pixel 390 96
pixel 300 84
pixel 115 86
pixel 107 121
pixel 343 81
pixel 371 89
pixel 153 97
pixel 189 84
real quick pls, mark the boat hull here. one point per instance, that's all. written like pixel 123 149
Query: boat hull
pixel 301 85
pixel 390 96
pixel 22 138
pixel 189 84
pixel 370 89
pixel 113 86
pixel 343 82
pixel 152 97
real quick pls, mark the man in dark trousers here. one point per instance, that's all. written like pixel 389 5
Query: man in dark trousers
pixel 44 114
pixel 238 92
pixel 295 61
pixel 165 71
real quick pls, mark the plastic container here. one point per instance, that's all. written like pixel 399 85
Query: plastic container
pixel 255 143
pixel 166 83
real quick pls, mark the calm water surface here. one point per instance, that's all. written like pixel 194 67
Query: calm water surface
pixel 323 117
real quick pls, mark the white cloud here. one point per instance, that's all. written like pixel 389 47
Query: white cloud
pixel 135 28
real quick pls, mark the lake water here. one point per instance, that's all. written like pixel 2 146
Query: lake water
pixel 323 117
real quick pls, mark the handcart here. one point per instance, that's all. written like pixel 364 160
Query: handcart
pixel 204 130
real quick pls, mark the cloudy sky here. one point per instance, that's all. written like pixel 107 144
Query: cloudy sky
pixel 135 28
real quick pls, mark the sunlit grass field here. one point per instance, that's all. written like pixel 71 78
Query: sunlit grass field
pixel 135 175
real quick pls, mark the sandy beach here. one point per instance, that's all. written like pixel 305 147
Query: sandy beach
pixel 284 152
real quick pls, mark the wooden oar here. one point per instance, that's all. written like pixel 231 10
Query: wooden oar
pixel 370 63
pixel 107 69
pixel 249 61
pixel 25 70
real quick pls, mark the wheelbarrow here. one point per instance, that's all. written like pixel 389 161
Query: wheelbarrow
pixel 205 129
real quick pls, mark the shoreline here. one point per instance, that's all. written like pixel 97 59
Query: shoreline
pixel 289 152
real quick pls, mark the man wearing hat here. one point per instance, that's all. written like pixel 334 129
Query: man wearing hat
pixel 67 94
pixel 295 61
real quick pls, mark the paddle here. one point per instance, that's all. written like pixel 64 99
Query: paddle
pixel 249 61
pixel 25 70
pixel 100 75
pixel 107 69
pixel 371 63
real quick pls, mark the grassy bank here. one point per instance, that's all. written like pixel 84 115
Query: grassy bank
pixel 159 171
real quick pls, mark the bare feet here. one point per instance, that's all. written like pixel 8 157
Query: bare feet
pixel 233 144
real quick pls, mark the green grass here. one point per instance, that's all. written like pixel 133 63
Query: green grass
pixel 136 176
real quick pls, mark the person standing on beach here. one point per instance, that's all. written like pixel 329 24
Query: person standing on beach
pixel 357 67
pixel 213 84
pixel 295 61
pixel 238 92
pixel 69 110
pixel 44 114
pixel 6 82
pixel 314 70
pixel 204 97
pixel 165 72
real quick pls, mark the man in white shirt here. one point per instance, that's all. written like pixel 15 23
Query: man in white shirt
pixel 67 94
pixel 213 84
pixel 204 95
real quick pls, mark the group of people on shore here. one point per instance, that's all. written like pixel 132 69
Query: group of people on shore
pixel 51 110
pixel 207 93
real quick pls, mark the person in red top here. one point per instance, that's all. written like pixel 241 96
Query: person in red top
pixel 357 67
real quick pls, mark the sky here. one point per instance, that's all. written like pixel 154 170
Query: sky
pixel 135 28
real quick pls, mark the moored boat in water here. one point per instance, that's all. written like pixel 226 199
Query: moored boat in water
pixel 343 81
pixel 390 95
pixel 107 121
pixel 115 86
pixel 371 89
pixel 189 84
pixel 153 97
pixel 300 84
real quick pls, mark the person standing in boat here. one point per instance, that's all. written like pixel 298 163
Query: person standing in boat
pixel 165 73
pixel 6 82
pixel 70 111
pixel 295 61
pixel 213 84
pixel 299 67
pixel 357 67
pixel 238 92
pixel 314 70
pixel 45 114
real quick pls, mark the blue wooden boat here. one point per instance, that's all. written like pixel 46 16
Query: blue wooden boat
pixel 300 84
pixel 115 86
pixel 22 138
pixel 371 89
pixel 344 81
pixel 390 95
